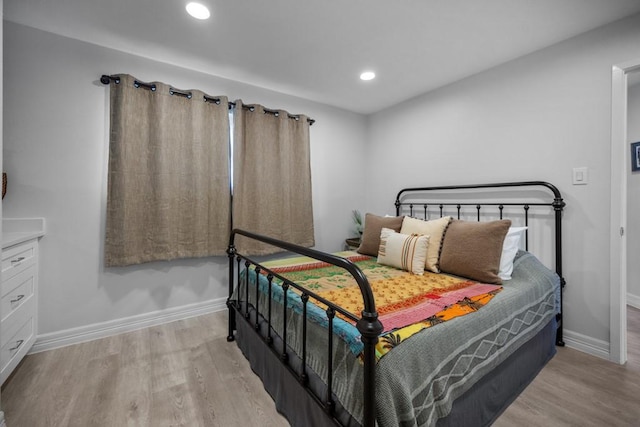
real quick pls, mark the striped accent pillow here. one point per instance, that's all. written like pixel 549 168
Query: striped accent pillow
pixel 407 252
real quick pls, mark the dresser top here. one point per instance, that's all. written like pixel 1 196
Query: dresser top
pixel 19 230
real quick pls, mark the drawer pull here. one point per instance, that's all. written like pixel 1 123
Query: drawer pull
pixel 18 344
pixel 17 260
pixel 18 298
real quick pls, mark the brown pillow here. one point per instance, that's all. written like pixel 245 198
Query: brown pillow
pixel 473 249
pixel 373 225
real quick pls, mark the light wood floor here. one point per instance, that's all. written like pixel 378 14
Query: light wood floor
pixel 576 389
pixel 186 374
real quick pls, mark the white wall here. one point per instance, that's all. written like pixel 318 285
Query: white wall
pixel 56 133
pixel 633 198
pixel 533 118
pixel 2 423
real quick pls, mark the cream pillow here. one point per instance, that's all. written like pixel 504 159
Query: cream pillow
pixel 435 230
pixel 406 252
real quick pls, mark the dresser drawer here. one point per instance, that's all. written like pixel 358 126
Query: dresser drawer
pixel 16 347
pixel 10 326
pixel 17 291
pixel 17 258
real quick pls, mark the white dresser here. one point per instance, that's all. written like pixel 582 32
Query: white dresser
pixel 19 295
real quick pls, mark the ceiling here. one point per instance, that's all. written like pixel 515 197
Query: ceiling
pixel 317 49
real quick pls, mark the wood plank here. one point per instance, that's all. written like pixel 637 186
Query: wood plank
pixel 132 406
pixel 95 394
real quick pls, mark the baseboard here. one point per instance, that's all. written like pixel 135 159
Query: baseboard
pixel 114 327
pixel 586 344
pixel 633 300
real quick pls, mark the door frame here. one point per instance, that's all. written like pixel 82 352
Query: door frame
pixel 618 222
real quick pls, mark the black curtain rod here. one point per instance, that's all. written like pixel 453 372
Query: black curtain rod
pixel 106 79
pixel 276 113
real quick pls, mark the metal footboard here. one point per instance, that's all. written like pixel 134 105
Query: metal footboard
pixel 367 324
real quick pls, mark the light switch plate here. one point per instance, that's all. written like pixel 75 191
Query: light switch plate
pixel 580 176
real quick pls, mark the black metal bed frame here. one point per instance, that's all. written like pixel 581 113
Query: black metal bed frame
pixel 367 324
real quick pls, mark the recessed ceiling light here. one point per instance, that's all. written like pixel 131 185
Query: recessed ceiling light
pixel 198 11
pixel 368 75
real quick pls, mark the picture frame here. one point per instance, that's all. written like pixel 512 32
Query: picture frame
pixel 635 156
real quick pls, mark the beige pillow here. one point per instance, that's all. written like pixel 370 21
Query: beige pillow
pixel 473 249
pixel 435 229
pixel 403 251
pixel 373 225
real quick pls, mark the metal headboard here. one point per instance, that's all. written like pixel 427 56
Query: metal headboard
pixel 421 199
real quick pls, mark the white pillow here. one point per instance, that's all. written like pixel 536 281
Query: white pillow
pixel 407 252
pixel 509 250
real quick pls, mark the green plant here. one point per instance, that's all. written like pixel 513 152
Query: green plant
pixel 357 220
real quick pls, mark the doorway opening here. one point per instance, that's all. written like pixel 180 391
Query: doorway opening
pixel 620 164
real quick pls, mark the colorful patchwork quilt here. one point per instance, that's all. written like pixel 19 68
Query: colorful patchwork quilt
pixel 406 303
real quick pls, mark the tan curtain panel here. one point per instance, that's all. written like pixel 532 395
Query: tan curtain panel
pixel 272 178
pixel 168 189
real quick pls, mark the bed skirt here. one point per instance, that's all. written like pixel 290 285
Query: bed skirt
pixel 291 398
pixel 481 405
pixel 485 401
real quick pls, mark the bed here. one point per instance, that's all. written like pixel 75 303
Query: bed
pixel 329 342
